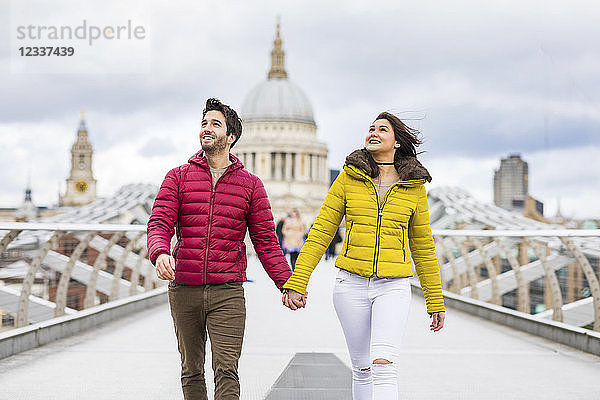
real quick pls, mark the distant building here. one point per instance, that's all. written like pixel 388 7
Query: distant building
pixel 511 182
pixel 28 211
pixel 280 142
pixel 534 209
pixel 558 218
pixel 81 184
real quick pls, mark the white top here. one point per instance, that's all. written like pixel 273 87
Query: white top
pixel 216 174
pixel 383 187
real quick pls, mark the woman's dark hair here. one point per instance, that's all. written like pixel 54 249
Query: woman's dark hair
pixel 233 121
pixel 406 137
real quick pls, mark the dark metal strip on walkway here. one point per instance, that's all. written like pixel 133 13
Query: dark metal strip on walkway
pixel 313 376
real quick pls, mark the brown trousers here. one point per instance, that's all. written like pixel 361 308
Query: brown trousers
pixel 220 309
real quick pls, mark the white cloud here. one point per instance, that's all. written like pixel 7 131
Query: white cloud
pixel 570 175
pixel 37 150
pixel 487 79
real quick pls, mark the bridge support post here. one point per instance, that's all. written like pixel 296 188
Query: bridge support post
pixel 118 272
pixel 551 281
pixel 523 301
pixel 100 263
pixel 457 278
pixel 492 272
pixel 23 309
pixel 590 275
pixel 470 269
pixel 135 274
pixel 65 278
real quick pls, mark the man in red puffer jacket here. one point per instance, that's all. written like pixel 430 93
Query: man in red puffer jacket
pixel 211 201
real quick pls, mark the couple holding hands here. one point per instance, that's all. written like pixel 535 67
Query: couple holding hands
pixel 209 204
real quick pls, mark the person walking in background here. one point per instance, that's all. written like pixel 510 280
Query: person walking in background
pixel 330 252
pixel 293 236
pixel 381 194
pixel 212 200
pixel 279 231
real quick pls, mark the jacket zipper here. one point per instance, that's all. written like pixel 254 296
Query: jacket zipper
pixel 379 218
pixel 210 214
pixel 239 257
pixel 379 213
pixel 348 240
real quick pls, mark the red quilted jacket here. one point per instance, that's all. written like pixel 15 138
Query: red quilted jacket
pixel 211 225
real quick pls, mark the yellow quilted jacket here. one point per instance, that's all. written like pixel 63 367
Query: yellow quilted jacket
pixel 380 237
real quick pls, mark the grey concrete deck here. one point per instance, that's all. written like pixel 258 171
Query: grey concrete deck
pixel 136 357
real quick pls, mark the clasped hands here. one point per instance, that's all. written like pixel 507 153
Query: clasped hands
pixel 165 269
pixel 293 300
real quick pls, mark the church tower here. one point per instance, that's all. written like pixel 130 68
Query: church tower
pixel 81 184
pixel 28 211
pixel 280 142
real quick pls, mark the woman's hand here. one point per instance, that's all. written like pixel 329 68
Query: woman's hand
pixel 437 321
pixel 293 300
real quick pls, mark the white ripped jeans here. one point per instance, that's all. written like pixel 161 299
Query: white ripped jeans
pixel 373 313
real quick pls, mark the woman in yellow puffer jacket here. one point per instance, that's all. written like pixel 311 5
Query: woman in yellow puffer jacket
pixel 381 195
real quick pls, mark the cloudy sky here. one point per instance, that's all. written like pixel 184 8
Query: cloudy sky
pixel 481 80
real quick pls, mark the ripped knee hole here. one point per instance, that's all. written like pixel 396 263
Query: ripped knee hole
pixel 381 361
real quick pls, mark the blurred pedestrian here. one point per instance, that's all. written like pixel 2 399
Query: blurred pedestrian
pixel 293 236
pixel 279 231
pixel 330 252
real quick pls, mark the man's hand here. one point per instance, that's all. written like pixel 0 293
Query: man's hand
pixel 293 300
pixel 165 267
pixel 437 321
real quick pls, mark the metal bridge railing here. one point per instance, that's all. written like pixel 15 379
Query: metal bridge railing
pixel 52 269
pixel 547 273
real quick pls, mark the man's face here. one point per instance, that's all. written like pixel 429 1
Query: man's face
pixel 213 135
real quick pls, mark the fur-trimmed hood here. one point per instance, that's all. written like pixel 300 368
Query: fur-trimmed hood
pixel 409 168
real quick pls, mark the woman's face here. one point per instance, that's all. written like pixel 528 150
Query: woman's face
pixel 380 139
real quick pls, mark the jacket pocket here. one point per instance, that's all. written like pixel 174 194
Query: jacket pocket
pixel 342 276
pixel 403 246
pixel 238 260
pixel 179 240
pixel 176 249
pixel 179 244
pixel 348 238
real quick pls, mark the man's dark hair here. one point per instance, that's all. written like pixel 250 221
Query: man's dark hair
pixel 232 120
